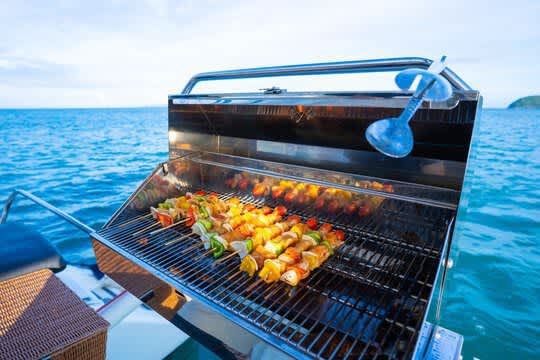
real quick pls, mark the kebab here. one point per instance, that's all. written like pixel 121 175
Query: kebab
pixel 298 261
pixel 221 222
pixel 264 217
pixel 311 258
pixel 180 210
pixel 217 235
pixel 274 247
pixel 262 236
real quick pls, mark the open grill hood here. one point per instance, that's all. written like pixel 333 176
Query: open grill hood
pixel 370 299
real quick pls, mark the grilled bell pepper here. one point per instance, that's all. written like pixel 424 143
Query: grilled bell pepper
pixel 271 271
pixel 164 218
pixel 199 198
pixel 249 265
pixel 190 217
pixel 164 205
pixel 218 247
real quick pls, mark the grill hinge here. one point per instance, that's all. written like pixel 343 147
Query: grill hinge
pixel 274 90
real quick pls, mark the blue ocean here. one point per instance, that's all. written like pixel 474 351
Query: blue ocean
pixel 88 161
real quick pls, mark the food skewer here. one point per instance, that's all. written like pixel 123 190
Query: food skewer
pixel 296 262
pixel 163 212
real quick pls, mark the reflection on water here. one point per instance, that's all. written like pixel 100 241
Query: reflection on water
pixel 88 162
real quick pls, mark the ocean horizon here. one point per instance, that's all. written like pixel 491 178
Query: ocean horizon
pixel 87 161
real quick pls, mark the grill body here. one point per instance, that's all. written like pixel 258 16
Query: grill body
pixel 371 298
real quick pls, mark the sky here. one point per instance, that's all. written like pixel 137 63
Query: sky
pixel 136 53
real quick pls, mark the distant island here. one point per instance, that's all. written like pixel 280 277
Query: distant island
pixel 527 102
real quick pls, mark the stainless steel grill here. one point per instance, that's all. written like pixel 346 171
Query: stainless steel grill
pixel 371 298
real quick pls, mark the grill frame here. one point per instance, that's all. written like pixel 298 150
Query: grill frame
pixel 318 131
pixel 332 271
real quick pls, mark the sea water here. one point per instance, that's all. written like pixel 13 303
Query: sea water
pixel 88 161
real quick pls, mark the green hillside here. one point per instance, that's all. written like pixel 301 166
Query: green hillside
pixel 528 102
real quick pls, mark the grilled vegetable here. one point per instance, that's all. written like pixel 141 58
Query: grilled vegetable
pixel 274 248
pixel 249 265
pixel 281 210
pixel 340 235
pixel 259 189
pixel 312 223
pixel 243 184
pixel 277 192
pixel 350 208
pixel 164 218
pixel 217 246
pixel 243 247
pixel 333 207
pixel 319 203
pixel 313 236
pixel 272 270
pixel 325 228
pixel 364 210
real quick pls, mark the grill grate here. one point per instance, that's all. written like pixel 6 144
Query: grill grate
pixel 366 301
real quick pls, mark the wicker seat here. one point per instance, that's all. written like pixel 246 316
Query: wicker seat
pixel 41 317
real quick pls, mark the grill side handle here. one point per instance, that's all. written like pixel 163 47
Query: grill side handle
pixel 341 67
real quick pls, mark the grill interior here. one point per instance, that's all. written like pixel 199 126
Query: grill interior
pixel 367 301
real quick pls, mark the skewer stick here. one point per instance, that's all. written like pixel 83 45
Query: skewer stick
pixel 135 219
pixel 144 229
pixel 254 285
pixel 174 241
pixel 168 227
pixel 220 260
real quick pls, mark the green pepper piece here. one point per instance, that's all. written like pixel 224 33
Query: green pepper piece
pixel 162 205
pixel 330 248
pixel 206 223
pixel 203 211
pixel 249 245
pixel 315 236
pixel 218 247
pixel 199 198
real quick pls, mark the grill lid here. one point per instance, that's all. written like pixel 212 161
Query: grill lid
pixel 325 129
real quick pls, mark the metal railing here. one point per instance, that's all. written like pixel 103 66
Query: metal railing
pixel 11 198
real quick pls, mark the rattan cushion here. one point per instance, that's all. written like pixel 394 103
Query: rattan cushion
pixel 40 316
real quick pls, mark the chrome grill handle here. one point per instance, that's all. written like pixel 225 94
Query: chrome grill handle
pixel 341 67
